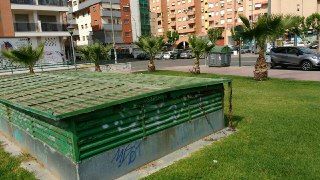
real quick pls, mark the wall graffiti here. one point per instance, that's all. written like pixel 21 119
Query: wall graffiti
pixel 127 155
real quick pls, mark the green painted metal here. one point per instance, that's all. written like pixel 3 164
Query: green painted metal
pixel 82 114
pixel 58 96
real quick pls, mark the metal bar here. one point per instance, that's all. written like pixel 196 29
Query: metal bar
pixel 230 112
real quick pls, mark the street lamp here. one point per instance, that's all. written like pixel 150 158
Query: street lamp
pixel 113 38
pixel 71 29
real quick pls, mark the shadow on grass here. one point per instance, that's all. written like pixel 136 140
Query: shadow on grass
pixel 235 120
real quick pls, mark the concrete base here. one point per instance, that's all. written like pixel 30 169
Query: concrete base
pixel 119 161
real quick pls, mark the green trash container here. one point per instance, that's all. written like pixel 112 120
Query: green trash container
pixel 220 56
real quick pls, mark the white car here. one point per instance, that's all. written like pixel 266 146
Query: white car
pixel 167 55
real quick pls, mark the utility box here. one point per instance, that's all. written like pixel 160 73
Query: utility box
pixel 220 56
pixel 87 125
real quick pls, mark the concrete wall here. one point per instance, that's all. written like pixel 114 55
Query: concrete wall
pixel 135 20
pixel 296 7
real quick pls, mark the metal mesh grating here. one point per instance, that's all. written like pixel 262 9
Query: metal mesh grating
pixel 59 95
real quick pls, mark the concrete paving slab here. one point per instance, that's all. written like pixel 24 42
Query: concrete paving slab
pixel 292 74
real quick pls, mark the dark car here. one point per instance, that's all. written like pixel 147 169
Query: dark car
pixel 302 57
pixel 143 56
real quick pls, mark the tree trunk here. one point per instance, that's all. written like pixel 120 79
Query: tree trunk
pixel 97 68
pixel 31 70
pixel 196 67
pixel 151 65
pixel 318 37
pixel 261 67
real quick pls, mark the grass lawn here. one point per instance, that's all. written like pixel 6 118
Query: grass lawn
pixel 10 167
pixel 278 135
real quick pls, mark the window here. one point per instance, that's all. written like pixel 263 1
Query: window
pixel 127 34
pixel 126 21
pixel 293 51
pixel 126 9
pixel 280 50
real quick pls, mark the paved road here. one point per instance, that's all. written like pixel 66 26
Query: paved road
pixel 247 60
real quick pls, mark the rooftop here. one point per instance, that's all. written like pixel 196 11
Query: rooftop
pixel 60 95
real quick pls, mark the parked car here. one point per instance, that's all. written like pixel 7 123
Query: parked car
pixel 187 55
pixel 143 56
pixel 178 53
pixel 170 55
pixel 314 45
pixel 245 49
pixel 159 56
pixel 302 57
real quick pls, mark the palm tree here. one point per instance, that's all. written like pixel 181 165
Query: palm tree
pixel 199 47
pixel 151 45
pixel 25 55
pixel 267 27
pixel 214 34
pixel 95 53
pixel 173 37
pixel 313 22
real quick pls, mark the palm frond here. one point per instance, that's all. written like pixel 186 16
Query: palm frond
pixel 199 45
pixel 245 21
pixel 151 45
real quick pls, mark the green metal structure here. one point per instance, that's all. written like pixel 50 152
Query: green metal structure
pixel 82 114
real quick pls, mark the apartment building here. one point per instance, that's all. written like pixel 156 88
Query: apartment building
pixel 298 7
pixel 140 18
pixel 40 21
pixel 97 19
pixel 108 21
pixel 196 17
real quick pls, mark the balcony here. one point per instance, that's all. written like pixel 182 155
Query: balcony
pixel 25 27
pixel 107 13
pixel 28 2
pixel 191 21
pixel 40 5
pixel 52 2
pixel 88 3
pixel 116 27
pixel 29 29
pixel 48 26
pixel 190 12
pixel 188 30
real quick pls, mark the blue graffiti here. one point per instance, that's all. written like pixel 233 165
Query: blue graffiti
pixel 127 154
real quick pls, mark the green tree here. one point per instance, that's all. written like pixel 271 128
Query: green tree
pixel 26 56
pixel 199 47
pixel 313 22
pixel 267 28
pixel 214 34
pixel 236 33
pixel 172 36
pixel 95 53
pixel 151 45
pixel 294 25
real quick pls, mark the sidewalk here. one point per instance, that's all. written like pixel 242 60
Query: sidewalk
pixel 248 71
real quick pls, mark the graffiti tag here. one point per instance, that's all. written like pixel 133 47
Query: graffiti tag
pixel 127 155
